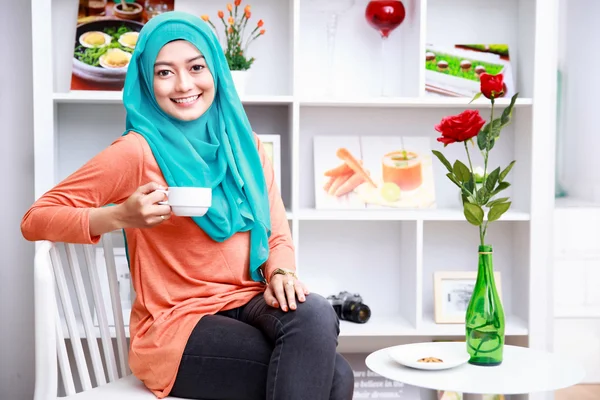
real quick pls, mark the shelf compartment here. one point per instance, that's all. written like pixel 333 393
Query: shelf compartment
pixel 271 72
pixel 374 259
pixel 514 24
pixel 358 67
pixel 515 144
pixel 444 244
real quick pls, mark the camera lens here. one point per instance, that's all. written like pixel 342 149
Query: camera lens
pixel 356 312
pixel 338 309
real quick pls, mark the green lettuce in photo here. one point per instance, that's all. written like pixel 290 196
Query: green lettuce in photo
pixel 455 69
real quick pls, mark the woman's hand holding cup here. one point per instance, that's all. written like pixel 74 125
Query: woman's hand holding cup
pixel 141 209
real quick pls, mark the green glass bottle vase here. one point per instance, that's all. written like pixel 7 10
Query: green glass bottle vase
pixel 484 320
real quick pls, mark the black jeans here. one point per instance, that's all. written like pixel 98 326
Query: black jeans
pixel 257 352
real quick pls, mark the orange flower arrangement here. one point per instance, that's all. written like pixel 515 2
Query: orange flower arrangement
pixel 236 44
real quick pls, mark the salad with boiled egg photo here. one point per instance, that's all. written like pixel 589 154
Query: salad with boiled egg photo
pixel 110 48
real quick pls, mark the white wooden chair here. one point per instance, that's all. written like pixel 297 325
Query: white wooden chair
pixel 110 377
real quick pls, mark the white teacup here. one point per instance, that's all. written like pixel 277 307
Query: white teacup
pixel 188 201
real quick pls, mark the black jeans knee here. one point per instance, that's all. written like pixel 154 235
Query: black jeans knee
pixel 257 352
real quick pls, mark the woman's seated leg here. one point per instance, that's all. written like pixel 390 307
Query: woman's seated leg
pixel 343 380
pixel 304 360
pixel 224 359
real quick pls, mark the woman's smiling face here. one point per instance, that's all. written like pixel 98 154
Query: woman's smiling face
pixel 183 85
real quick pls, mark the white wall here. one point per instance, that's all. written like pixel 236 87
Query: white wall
pixel 579 32
pixel 577 218
pixel 16 188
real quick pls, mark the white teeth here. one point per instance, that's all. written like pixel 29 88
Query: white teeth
pixel 186 100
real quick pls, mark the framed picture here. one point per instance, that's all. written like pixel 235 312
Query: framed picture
pixel 272 145
pixel 373 172
pixel 452 292
pixel 125 286
pixel 97 70
pixel 454 70
pixel 448 395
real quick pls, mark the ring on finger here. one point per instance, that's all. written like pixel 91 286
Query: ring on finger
pixel 162 217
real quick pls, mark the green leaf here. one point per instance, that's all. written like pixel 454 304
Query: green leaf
pixel 465 199
pixel 453 179
pixel 488 135
pixel 443 159
pixel 461 171
pixel 491 180
pixel 483 195
pixel 506 171
pixel 482 137
pixel 496 201
pixel 469 190
pixel 477 95
pixel 473 213
pixel 470 185
pixel 496 129
pixel 501 186
pixel 497 210
pixel 507 113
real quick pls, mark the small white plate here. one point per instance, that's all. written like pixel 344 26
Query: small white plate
pixel 451 354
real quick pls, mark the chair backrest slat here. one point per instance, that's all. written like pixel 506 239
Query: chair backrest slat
pixel 46 371
pixel 107 346
pixel 109 258
pixel 69 313
pixel 76 285
pixel 63 359
pixel 84 308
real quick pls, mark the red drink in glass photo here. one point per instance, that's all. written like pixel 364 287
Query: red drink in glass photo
pixel 385 15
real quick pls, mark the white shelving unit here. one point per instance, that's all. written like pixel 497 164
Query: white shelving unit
pixel 388 256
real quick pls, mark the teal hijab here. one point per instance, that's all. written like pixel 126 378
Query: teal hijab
pixel 218 150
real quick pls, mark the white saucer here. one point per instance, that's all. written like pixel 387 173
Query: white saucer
pixel 452 355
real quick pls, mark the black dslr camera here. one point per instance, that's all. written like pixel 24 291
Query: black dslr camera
pixel 350 307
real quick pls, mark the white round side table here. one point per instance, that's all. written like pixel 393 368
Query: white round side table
pixel 523 370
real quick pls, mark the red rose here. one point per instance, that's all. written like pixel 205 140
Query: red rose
pixel 492 85
pixel 461 127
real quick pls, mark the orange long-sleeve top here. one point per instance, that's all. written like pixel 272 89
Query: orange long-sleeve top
pixel 179 273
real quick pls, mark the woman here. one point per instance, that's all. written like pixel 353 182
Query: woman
pixel 204 324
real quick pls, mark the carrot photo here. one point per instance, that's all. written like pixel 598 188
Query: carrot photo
pixel 373 172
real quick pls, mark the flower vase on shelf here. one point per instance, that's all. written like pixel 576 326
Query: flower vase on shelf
pixel 238 36
pixel 484 320
pixel 240 78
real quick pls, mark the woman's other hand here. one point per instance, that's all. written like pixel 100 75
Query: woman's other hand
pixel 283 290
pixel 141 209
